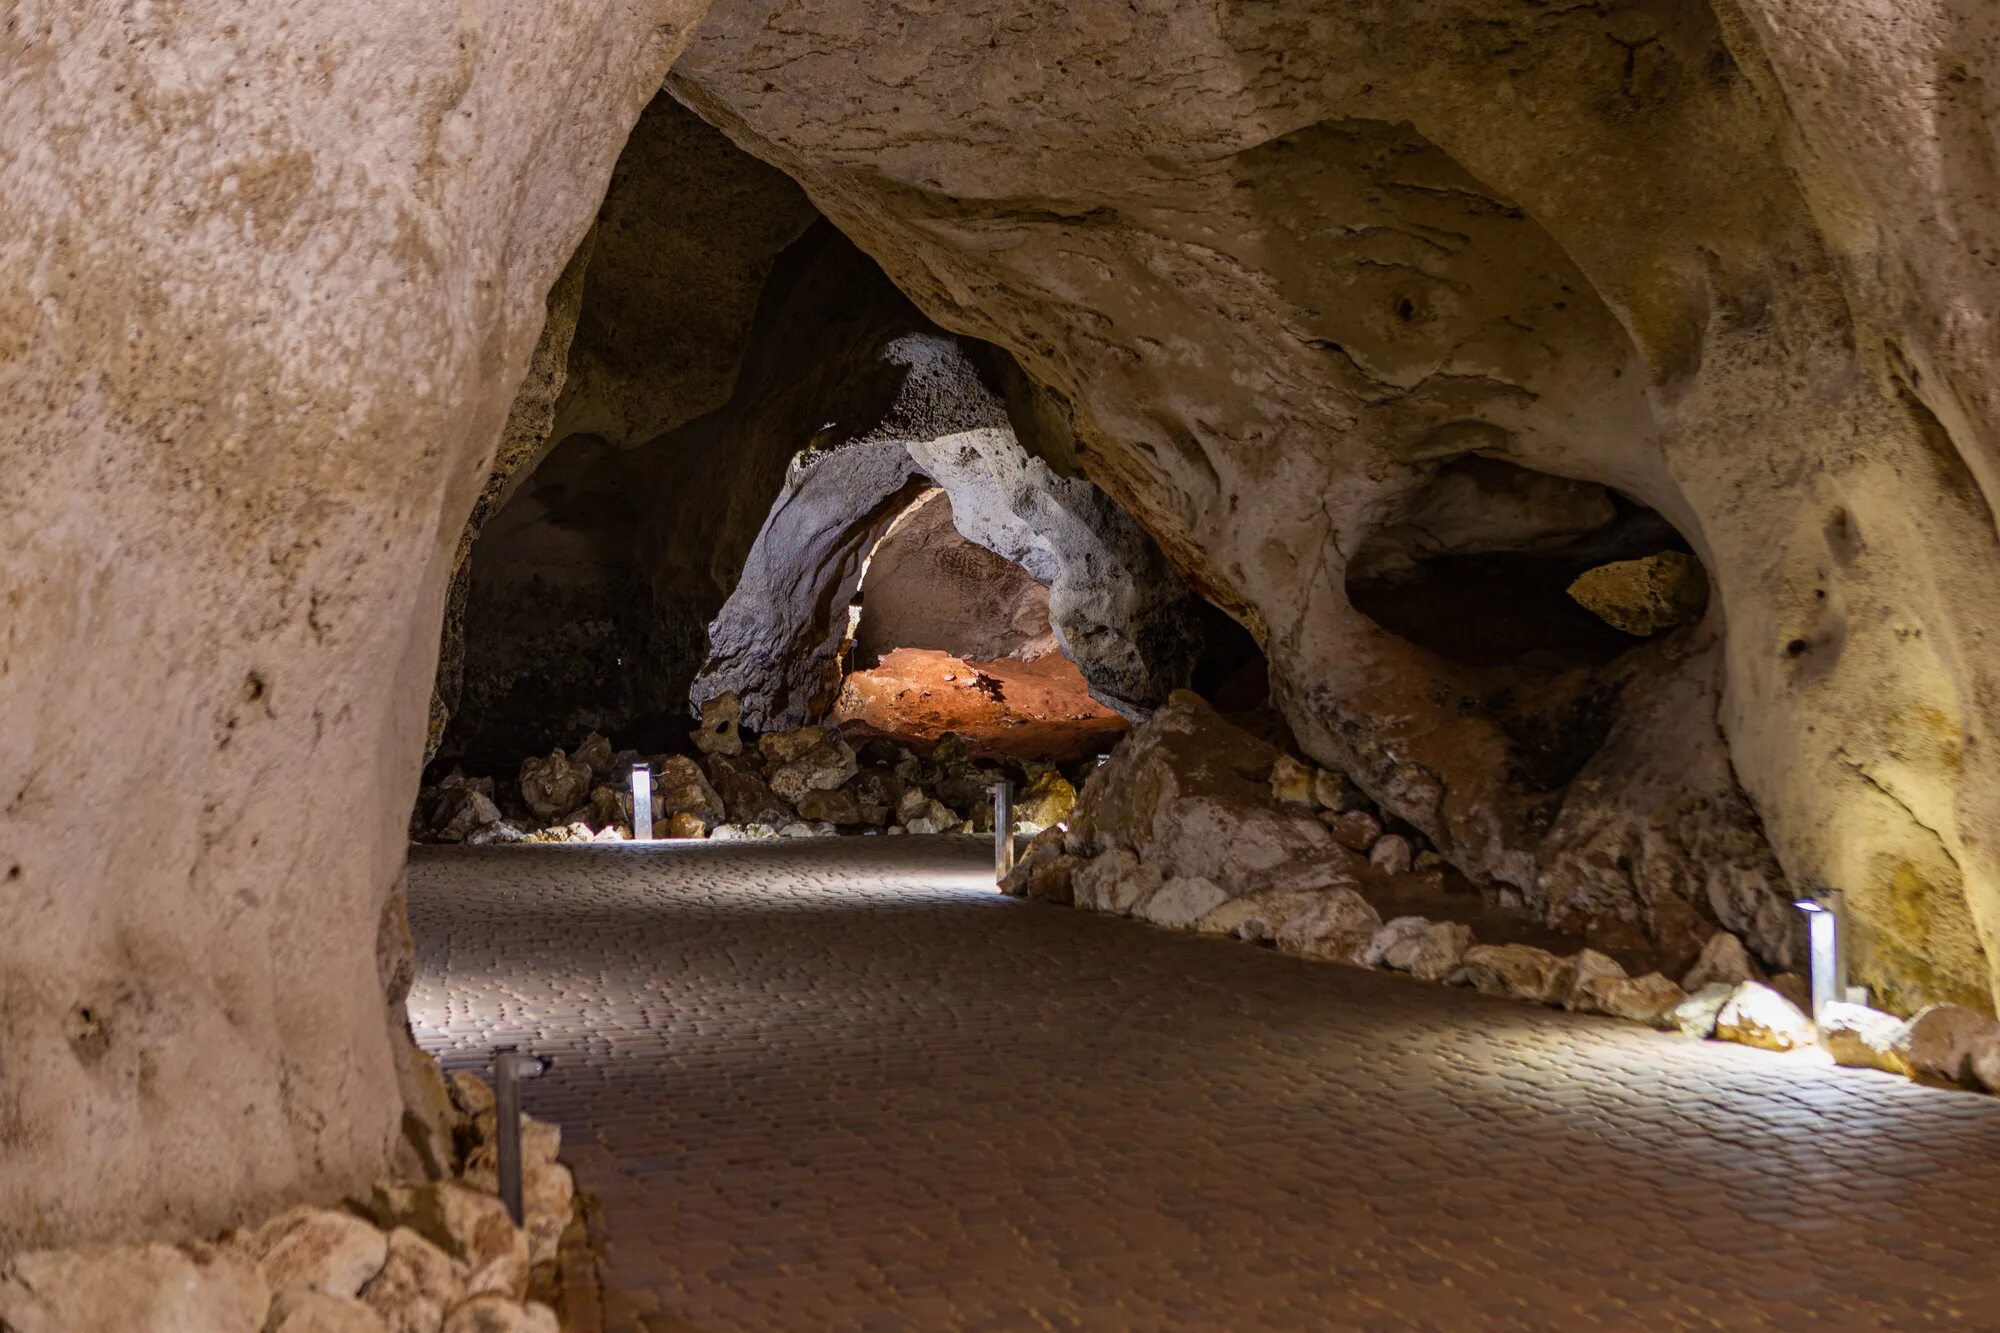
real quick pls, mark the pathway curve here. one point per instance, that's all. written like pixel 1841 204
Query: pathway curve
pixel 842 1084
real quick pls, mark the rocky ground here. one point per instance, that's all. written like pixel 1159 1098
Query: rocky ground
pixel 806 782
pixel 1195 824
pixel 430 1256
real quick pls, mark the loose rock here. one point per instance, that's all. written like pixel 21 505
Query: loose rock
pixel 1863 1038
pixel 555 785
pixel 418 1284
pixel 1427 950
pixel 1590 966
pixel 1180 902
pixel 718 732
pixel 497 1314
pixel 317 1248
pixel 1723 959
pixel 1695 1016
pixel 120 1289
pixel 1114 882
pixel 1517 970
pixel 1391 854
pixel 1652 999
pixel 1291 781
pixel 305 1311
pixel 1357 830
pixel 1756 1015
pixel 1938 1043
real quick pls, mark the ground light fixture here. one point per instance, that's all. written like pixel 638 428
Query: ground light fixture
pixel 1826 913
pixel 1003 828
pixel 642 802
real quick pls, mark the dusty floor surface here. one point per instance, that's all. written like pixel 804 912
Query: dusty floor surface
pixel 842 1085
pixel 1039 709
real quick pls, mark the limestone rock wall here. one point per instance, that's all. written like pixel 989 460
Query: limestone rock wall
pixel 1285 262
pixel 269 277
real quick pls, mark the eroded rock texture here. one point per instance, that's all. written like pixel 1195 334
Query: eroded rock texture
pixel 1287 263
pixel 268 281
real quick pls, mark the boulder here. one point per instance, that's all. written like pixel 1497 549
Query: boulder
pixel 1986 1063
pixel 1391 854
pixel 495 834
pixel 419 1283
pixel 1756 1015
pixel 1180 902
pixel 1336 792
pixel 471 1094
pixel 498 1314
pixel 548 1196
pixel 1356 830
pixel 1333 925
pixel 1863 1038
pixel 717 732
pixel 1652 999
pixel 746 798
pixel 837 806
pixel 595 753
pixel 121 1289
pixel 1190 791
pixel 1645 596
pixel 683 824
pixel 754 832
pixel 317 1248
pixel 1590 966
pixel 466 811
pixel 823 767
pixel 1938 1043
pixel 1723 959
pixel 1115 882
pixel 555 785
pixel 680 787
pixel 1053 881
pixel 782 747
pixel 1519 971
pixel 302 1310
pixel 1044 803
pixel 609 806
pixel 470 1225
pixel 1427 950
pixel 1291 781
pixel 1695 1016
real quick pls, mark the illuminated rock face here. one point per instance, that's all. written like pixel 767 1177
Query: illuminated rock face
pixel 1282 264
pixel 269 278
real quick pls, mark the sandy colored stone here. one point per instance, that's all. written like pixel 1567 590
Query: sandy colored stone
pixel 418 1284
pixel 1939 1041
pixel 302 1310
pixel 116 1289
pixel 1722 959
pixel 1391 854
pixel 1427 950
pixel 1045 802
pixel 683 824
pixel 553 785
pixel 1356 830
pixel 1519 971
pixel 470 1225
pixel 1180 902
pixel 497 1314
pixel 1644 596
pixel 318 1248
pixel 1864 1038
pixel 1695 1016
pixel 1292 781
pixel 1590 967
pixel 718 732
pixel 1756 1015
pixel 1116 882
pixel 1652 999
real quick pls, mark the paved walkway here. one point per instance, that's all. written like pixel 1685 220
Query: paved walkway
pixel 842 1085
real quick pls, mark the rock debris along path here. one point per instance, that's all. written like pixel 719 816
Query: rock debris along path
pixel 844 1085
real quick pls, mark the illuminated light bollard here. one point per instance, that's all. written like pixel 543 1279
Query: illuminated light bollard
pixel 1003 828
pixel 1828 949
pixel 642 802
pixel 509 1068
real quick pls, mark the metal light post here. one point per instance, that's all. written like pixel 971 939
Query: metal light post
pixel 509 1068
pixel 1003 827
pixel 1826 918
pixel 642 802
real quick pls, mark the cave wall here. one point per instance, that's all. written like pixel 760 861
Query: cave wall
pixel 927 586
pixel 1285 261
pixel 269 278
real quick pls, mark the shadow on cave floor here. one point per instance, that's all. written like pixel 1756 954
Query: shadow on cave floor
pixel 844 1085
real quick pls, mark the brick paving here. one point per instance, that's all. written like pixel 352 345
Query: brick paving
pixel 844 1085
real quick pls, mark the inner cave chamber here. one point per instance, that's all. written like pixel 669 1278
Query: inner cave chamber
pixel 823 510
